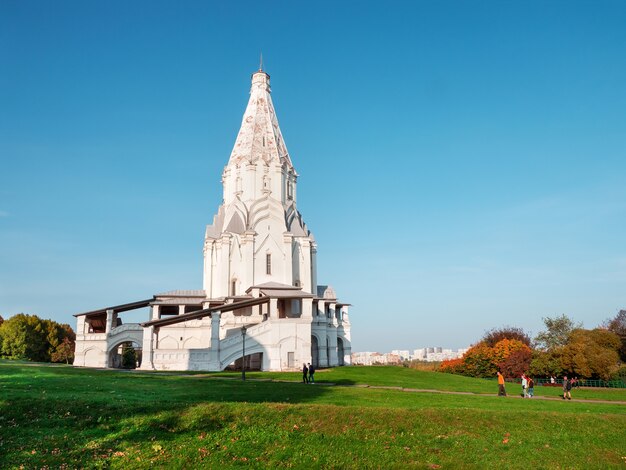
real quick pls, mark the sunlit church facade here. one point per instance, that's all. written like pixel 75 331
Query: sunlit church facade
pixel 260 302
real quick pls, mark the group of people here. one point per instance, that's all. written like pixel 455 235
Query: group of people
pixel 308 373
pixel 528 386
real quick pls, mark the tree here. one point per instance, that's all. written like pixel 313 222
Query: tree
pixel 495 335
pixel 512 357
pixel 557 332
pixel 129 356
pixel 482 360
pixel 29 337
pixel 64 352
pixel 591 353
pixel 478 361
pixel 1 320
pixel 546 363
pixel 24 337
pixel 618 326
pixel 517 363
pixel 56 334
pixel 452 366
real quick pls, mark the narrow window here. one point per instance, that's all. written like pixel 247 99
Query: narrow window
pixel 268 263
pixel 233 287
pixel 289 190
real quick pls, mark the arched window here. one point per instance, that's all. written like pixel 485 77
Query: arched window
pixel 328 351
pixel 268 263
pixel 340 352
pixel 315 352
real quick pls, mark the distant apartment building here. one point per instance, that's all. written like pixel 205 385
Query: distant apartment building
pixel 430 354
pixel 375 358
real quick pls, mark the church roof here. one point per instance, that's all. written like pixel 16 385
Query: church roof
pixel 179 301
pixel 183 293
pixel 259 136
pixel 286 293
pixel 116 308
pixel 273 285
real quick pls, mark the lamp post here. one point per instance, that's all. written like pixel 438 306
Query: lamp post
pixel 243 353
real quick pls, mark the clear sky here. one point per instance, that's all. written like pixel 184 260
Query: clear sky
pixel 462 164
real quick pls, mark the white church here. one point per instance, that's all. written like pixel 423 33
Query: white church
pixel 261 306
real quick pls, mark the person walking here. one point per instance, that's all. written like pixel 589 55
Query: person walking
pixel 531 387
pixel 501 390
pixel 567 388
pixel 305 374
pixel 311 372
pixel 524 386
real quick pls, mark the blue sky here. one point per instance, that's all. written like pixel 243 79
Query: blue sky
pixel 462 164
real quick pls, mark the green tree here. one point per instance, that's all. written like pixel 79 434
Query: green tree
pixel 29 337
pixel 129 357
pixel 56 334
pixel 24 337
pixel 546 363
pixel 557 332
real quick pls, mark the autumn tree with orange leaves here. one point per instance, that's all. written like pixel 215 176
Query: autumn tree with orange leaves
pixel 509 353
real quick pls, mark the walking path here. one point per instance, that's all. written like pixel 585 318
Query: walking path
pixel 414 390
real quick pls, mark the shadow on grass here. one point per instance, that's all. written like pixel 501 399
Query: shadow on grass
pixel 84 414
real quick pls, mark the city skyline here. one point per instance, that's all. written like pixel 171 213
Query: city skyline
pixel 465 164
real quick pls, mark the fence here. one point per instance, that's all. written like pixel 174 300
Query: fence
pixel 579 383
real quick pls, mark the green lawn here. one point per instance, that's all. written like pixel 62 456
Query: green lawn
pixel 63 417
pixel 409 378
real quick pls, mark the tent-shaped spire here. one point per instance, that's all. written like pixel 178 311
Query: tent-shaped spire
pixel 259 137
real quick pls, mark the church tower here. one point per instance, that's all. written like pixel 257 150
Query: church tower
pixel 260 306
pixel 258 235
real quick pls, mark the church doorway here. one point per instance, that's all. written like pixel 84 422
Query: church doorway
pixel 126 355
pixel 340 360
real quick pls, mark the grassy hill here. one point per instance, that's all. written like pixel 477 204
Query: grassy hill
pixel 62 417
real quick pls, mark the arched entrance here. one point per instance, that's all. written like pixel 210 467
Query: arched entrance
pixel 252 362
pixel 340 353
pixel 315 352
pixel 126 355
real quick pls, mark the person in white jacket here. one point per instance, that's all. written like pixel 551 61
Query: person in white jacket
pixel 524 386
